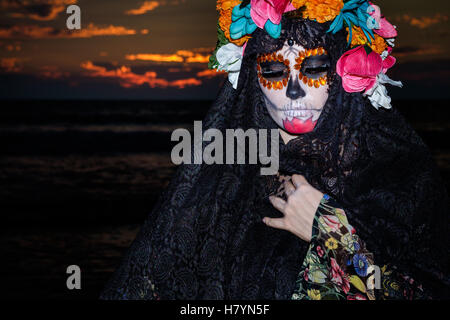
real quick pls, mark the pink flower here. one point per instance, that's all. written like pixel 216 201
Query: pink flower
pixel 263 10
pixel 358 69
pixel 386 30
pixel 388 63
pixel 320 251
pixel 305 275
pixel 339 277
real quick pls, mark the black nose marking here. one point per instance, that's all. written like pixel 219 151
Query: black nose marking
pixel 294 90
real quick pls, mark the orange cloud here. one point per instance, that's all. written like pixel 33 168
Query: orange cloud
pixel 154 57
pixel 187 56
pixel 144 8
pixel 424 22
pixel 52 72
pixel 38 32
pixel 40 10
pixel 16 46
pixel 128 79
pixel 10 64
pixel 94 31
pixel 182 83
pixel 209 73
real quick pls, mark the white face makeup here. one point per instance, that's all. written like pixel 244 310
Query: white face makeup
pixel 294 84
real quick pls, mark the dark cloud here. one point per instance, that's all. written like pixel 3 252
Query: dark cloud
pixel 42 10
pixel 408 51
pixel 46 32
pixel 25 86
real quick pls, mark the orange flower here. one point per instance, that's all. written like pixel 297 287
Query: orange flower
pixel 298 3
pixel 322 10
pixel 227 4
pixel 225 7
pixel 359 38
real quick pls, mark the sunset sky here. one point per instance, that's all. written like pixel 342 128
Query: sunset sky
pixel 159 49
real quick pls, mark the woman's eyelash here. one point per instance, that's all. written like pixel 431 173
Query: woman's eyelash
pixel 274 70
pixel 318 69
pixel 271 73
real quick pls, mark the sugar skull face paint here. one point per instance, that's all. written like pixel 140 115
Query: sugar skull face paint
pixel 294 84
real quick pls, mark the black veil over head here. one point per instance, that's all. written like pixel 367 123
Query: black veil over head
pixel 205 238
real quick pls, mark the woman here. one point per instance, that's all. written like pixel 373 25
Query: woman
pixel 357 198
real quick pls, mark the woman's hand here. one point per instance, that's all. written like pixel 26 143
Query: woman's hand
pixel 299 209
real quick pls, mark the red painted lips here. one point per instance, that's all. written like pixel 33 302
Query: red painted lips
pixel 298 126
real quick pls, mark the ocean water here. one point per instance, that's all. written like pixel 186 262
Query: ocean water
pixel 78 178
pixel 103 161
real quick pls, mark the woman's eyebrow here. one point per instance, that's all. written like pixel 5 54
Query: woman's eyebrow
pixel 272 63
pixel 323 58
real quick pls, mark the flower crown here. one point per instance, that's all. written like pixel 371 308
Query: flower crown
pixel 370 38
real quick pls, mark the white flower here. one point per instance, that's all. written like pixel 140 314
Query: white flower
pixel 229 57
pixel 391 42
pixel 378 93
pixel 295 297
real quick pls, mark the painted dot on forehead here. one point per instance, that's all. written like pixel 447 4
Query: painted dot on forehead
pixel 290 42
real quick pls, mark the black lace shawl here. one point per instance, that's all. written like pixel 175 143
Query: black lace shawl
pixel 205 239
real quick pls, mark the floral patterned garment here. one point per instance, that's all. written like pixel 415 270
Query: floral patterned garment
pixel 339 266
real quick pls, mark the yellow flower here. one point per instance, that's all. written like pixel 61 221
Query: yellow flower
pixel 314 294
pixel 225 8
pixel 322 10
pixel 331 243
pixel 359 38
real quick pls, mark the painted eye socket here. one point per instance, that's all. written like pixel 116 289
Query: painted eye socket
pixel 316 66
pixel 274 70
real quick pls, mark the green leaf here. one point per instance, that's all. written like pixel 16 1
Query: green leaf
pixel 221 41
pixel 368 49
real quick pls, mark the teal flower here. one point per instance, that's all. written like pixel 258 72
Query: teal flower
pixel 242 23
pixel 354 13
pixel 274 30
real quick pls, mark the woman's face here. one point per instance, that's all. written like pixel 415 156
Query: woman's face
pixel 295 86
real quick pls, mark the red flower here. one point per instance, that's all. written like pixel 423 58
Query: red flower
pixel 339 277
pixel 320 251
pixel 305 275
pixel 358 69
